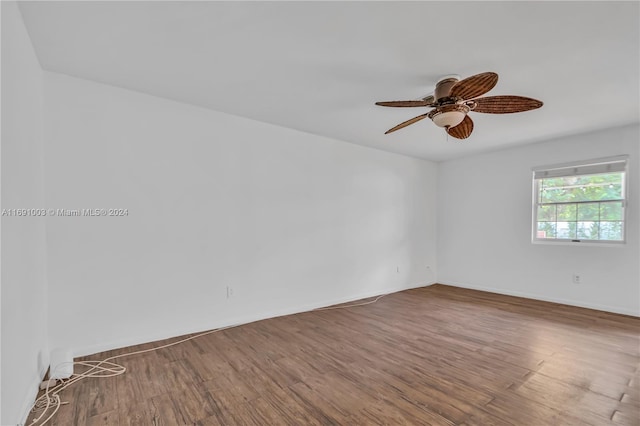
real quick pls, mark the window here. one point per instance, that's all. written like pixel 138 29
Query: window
pixel 581 202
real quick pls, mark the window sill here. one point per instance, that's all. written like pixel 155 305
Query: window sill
pixel 584 243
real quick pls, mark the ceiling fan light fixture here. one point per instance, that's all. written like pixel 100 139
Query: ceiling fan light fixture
pixel 449 115
pixel 448 119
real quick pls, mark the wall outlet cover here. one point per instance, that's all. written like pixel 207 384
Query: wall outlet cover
pixel 61 364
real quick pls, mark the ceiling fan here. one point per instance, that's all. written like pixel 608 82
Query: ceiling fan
pixel 453 99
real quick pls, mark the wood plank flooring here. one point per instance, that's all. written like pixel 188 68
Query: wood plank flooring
pixel 432 356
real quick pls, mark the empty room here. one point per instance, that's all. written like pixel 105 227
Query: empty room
pixel 320 213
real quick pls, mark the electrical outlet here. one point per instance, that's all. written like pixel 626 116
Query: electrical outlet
pixel 576 278
pixel 229 291
pixel 398 269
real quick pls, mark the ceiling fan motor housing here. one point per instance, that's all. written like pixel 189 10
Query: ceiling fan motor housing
pixel 443 87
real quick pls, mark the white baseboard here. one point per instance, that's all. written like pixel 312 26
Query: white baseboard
pixel 242 319
pixel 580 304
pixel 30 397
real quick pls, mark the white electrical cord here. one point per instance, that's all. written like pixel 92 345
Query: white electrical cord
pixel 106 368
pixel 353 305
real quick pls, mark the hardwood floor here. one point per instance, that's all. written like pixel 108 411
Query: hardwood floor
pixel 437 355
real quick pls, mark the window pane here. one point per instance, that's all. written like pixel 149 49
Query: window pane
pixel 611 211
pixel 566 230
pixel 547 213
pixel 553 190
pixel 604 186
pixel 546 230
pixel 588 230
pixel 589 211
pixel 567 212
pixel 611 231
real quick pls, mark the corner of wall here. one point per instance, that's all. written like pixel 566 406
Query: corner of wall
pixel 25 353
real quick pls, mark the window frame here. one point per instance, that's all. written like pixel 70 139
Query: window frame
pixel 573 165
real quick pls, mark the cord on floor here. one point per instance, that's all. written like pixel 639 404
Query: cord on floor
pixel 105 368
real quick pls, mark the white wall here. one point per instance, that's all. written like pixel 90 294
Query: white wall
pixel 484 227
pixel 290 220
pixel 24 301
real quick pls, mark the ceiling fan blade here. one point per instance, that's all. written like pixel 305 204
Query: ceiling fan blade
pixel 420 103
pixel 406 123
pixel 462 130
pixel 505 104
pixel 474 86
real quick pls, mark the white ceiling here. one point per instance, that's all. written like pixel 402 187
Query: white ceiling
pixel 319 66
